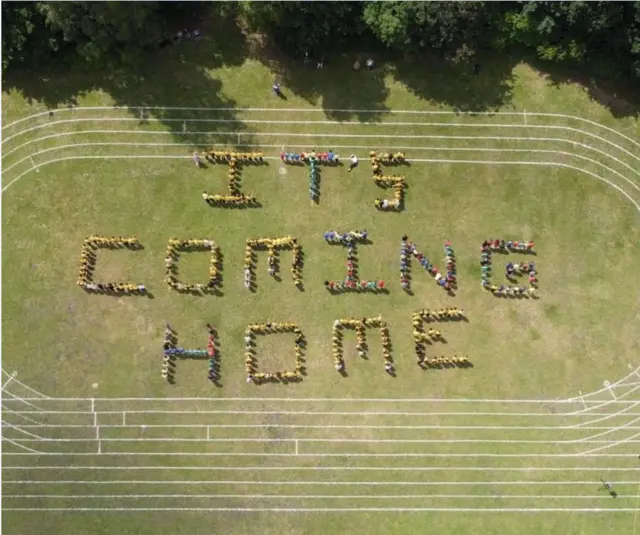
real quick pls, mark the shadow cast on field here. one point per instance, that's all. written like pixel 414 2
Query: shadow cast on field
pixel 487 89
pixel 620 96
pixel 175 75
pixel 178 74
pixel 343 94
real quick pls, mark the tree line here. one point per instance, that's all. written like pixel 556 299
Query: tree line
pixel 39 34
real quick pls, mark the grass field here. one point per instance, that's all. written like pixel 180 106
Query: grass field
pixel 96 442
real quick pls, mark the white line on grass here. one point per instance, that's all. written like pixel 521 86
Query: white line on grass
pixel 635 516
pixel 324 509
pixel 593 409
pixel 596 416
pixel 35 423
pixel 528 497
pixel 329 110
pixel 320 455
pixel 582 399
pixel 35 167
pixel 9 441
pixel 618 428
pixel 13 397
pixel 36 438
pixel 629 440
pixel 584 440
pixel 344 124
pixel 143 439
pixel 234 440
pixel 7 383
pixel 433 160
pixel 526 483
pixel 621 382
pixel 367 136
pixel 603 404
pixel 367 427
pixel 40 395
pixel 533 151
pixel 88 467
pixel 217 401
pixel 253 145
pixel 611 415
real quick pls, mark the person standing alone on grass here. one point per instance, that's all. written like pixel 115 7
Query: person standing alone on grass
pixel 276 88
pixel 354 162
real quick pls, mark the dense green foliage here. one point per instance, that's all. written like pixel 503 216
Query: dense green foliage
pixel 108 33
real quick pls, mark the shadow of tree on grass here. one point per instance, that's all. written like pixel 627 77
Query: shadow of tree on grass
pixel 342 93
pixel 173 76
pixel 619 95
pixel 457 86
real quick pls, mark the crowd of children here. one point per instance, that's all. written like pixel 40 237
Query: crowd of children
pixel 389 158
pixel 511 269
pixel 233 160
pixel 396 182
pixel 386 348
pixel 170 340
pixel 440 314
pixel 446 362
pixel 272 245
pixel 360 325
pixel 314 180
pixel 234 178
pixel 422 338
pixel 446 280
pixel 182 352
pixel 220 156
pixel 171 351
pixel 229 201
pixel 113 242
pixel 250 360
pixel 214 365
pixel 88 264
pixel 345 238
pixel 352 282
pixel 329 157
pixel 174 247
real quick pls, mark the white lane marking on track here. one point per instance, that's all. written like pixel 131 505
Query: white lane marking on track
pixel 430 160
pixel 326 509
pixel 330 110
pixel 63 467
pixel 312 496
pixel 531 151
pixel 319 482
pixel 423 148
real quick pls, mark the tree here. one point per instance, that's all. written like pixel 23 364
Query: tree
pixel 305 26
pixel 25 37
pixel 415 26
pixel 104 32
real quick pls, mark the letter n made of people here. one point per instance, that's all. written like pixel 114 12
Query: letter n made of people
pixel 445 277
